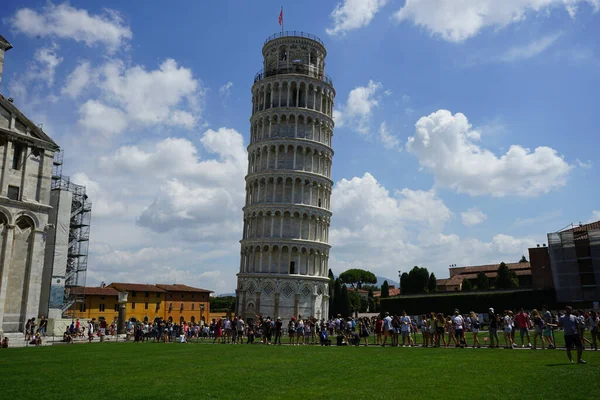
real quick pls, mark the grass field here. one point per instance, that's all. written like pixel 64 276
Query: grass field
pixel 206 371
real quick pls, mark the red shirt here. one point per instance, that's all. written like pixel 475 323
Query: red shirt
pixel 521 320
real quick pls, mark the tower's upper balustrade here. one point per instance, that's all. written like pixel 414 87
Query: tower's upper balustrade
pixel 293 52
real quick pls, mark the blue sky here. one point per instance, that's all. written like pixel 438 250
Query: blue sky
pixel 464 133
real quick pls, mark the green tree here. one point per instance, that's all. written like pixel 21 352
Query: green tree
pixel 523 259
pixel 466 285
pixel 385 290
pixel 337 297
pixel 331 292
pixel 364 305
pixel 483 283
pixel 354 299
pixel 345 306
pixel 404 284
pixel 432 284
pixel 356 277
pixel 417 282
pixel 506 279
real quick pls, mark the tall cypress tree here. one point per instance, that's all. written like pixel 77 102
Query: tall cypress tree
pixel 385 290
pixel 345 306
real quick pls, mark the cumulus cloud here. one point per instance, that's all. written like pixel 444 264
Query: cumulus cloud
pixel 203 196
pixel 48 61
pixel 66 22
pixel 39 74
pixel 78 80
pixel 382 231
pixel 353 14
pixel 358 108
pixel 595 216
pixel 445 145
pixel 104 203
pixel 457 21
pixel 169 95
pixel 389 140
pixel 472 217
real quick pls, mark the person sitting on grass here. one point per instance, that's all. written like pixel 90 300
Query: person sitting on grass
pixel 569 323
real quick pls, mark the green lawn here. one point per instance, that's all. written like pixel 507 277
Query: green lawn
pixel 206 371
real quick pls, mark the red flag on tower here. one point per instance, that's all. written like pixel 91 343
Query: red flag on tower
pixel 281 18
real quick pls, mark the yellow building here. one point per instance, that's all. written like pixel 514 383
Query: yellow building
pixel 144 302
pixel 185 303
pixel 98 302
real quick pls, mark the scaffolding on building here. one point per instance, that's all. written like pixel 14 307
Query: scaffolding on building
pixel 575 257
pixel 79 234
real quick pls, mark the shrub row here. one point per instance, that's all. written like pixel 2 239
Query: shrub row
pixel 479 302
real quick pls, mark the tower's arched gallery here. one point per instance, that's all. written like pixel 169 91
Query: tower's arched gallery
pixel 284 248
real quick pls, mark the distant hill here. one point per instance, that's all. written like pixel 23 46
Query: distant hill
pixel 380 280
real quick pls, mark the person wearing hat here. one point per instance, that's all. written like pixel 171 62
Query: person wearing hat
pixel 459 329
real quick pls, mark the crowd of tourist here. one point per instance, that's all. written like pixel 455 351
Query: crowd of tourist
pixel 506 329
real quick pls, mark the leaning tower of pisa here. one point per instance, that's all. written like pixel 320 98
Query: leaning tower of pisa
pixel 284 248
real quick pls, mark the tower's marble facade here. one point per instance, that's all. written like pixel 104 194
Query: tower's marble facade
pixel 284 248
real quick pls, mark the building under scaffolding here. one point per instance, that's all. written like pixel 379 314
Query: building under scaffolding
pixel 67 244
pixel 575 258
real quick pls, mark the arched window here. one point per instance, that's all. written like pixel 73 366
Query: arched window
pixel 283 53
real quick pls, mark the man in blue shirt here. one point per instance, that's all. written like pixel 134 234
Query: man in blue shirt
pixel 569 323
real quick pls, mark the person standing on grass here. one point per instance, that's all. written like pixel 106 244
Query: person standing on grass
pixel 459 329
pixel 475 325
pixel 378 330
pixel 593 322
pixel 538 328
pixel 425 330
pixel 388 329
pixel 450 328
pixel 365 329
pixel 493 328
pixel 292 329
pixel 569 324
pixel 218 332
pixel 432 324
pixel 239 326
pixel 278 329
pixel 522 324
pixel 508 329
pixel 440 329
pixel 548 332
pixel 405 328
pixel 300 330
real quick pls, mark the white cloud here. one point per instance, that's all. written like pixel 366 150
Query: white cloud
pixel 376 230
pixel 584 164
pixel 48 60
pixel 169 95
pixel 445 146
pixel 66 22
pixel 78 80
pixel 472 217
pixel 358 108
pixel 353 14
pixel 104 204
pixel 225 90
pixel 529 50
pixel 204 197
pixel 390 141
pixel 98 117
pixel 456 21
pixel 595 216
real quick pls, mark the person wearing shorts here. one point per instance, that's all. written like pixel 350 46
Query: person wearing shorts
pixel 388 330
pixel 405 329
pixel 459 329
pixel 572 339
